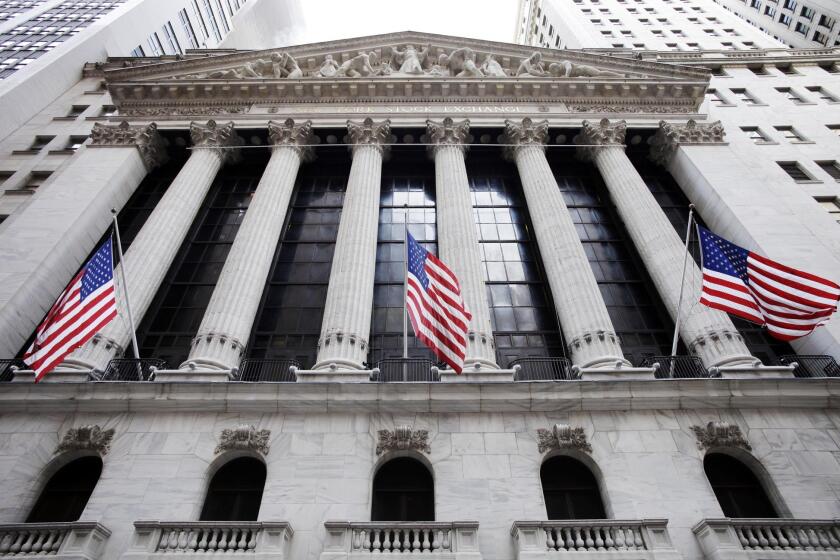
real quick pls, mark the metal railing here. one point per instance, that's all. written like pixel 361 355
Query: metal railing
pixel 126 369
pixel 543 369
pixel 276 371
pixel 6 371
pixel 677 367
pixel 397 370
pixel 811 365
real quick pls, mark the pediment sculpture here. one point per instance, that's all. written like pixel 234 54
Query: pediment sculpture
pixel 407 61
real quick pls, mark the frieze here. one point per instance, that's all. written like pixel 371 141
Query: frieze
pixel 403 438
pixel 720 434
pixel 244 438
pixel 653 109
pixel 89 438
pixel 562 436
pixel 179 111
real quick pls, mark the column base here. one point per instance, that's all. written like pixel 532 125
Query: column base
pixel 615 373
pixel 334 374
pixel 482 374
pixel 607 362
pixel 755 371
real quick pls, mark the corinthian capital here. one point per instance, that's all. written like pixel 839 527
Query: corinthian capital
pixel 222 138
pixel 290 135
pixel 670 136
pixel 145 137
pixel 528 133
pixel 448 133
pixel 369 133
pixel 593 136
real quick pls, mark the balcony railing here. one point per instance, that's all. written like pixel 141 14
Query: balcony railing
pixel 677 367
pixel 277 371
pixel 543 369
pixel 125 369
pixel 812 366
pixel 402 537
pixel 231 538
pixel 768 539
pixel 6 371
pixel 395 370
pixel 593 535
pixel 79 540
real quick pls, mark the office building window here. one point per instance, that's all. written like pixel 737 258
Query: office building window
pixel 830 67
pixel 807 13
pixel 801 28
pixel 787 69
pixel 77 110
pixel 154 45
pixel 785 19
pixel 737 489
pixel 759 70
pixel 67 492
pixel 223 16
pixel 830 167
pixel 715 97
pixel 744 96
pixel 186 25
pixel 108 111
pixel 826 21
pixel 790 133
pixel 171 39
pixel 570 490
pixel 831 206
pixel 791 95
pixel 769 11
pixel 36 179
pixel 211 17
pixel 235 491
pixel 835 128
pixel 40 142
pixel 75 142
pixel 403 490
pixel 822 94
pixel 756 134
pixel 200 17
pixel 138 51
pixel 794 170
pixel 789 5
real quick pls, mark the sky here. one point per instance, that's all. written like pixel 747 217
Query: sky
pixel 326 20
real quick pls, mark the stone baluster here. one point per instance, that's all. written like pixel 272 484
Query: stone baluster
pixel 583 314
pixel 153 250
pixel 458 244
pixel 347 312
pixel 706 332
pixel 226 325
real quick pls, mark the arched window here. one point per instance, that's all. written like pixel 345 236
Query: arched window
pixel 738 491
pixel 570 490
pixel 67 493
pixel 403 490
pixel 235 492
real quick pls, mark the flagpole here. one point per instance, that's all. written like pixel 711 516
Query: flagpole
pixel 125 285
pixel 682 285
pixel 405 283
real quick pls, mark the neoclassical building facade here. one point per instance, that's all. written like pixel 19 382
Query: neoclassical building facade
pixel 263 199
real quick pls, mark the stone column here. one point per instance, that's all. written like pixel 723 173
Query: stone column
pixel 227 323
pixel 706 332
pixel 457 236
pixel 153 250
pixel 40 255
pixel 584 317
pixel 347 311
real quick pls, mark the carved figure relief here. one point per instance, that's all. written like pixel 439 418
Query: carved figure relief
pixel 410 59
pixel 92 438
pixel 532 67
pixel 278 65
pixel 244 437
pixel 403 438
pixel 562 436
pixel 491 67
pixel 363 64
pixel 328 68
pixel 720 434
pixel 567 69
pixel 461 63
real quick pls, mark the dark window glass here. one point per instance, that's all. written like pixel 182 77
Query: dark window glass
pixel 403 490
pixel 521 307
pixel 67 493
pixel 235 492
pixel 792 168
pixel 40 142
pixel 176 312
pixel 407 179
pixel 737 489
pixel 570 490
pixel 635 309
pixel 288 321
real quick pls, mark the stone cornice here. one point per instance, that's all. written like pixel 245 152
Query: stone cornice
pixel 222 138
pixel 593 136
pixel 402 398
pixel 145 137
pixel 291 135
pixel 370 133
pixel 671 136
pixel 525 133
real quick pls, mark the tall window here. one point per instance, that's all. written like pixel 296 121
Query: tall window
pixel 570 490
pixel 235 492
pixel 403 490
pixel 67 493
pixel 736 487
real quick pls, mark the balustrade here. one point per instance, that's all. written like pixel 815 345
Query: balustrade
pixel 79 540
pixel 351 540
pixel 154 539
pixel 768 539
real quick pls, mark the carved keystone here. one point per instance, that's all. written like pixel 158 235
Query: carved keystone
pixel 403 438
pixel 92 438
pixel 244 437
pixel 562 436
pixel 720 434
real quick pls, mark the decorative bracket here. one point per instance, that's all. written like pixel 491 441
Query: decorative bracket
pixel 562 436
pixel 91 438
pixel 244 437
pixel 720 434
pixel 403 438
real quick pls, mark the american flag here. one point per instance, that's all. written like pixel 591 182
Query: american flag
pixel 791 303
pixel 435 306
pixel 86 305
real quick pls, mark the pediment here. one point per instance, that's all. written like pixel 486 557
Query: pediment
pixel 407 64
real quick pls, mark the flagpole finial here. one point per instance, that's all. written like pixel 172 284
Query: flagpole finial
pixel 691 207
pixel 114 211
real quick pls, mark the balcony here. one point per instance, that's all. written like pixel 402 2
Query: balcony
pixel 646 539
pixel 769 539
pixel 676 367
pixel 248 539
pixel 278 371
pixel 79 540
pixel 456 540
pixel 125 369
pixel 397 370
pixel 543 369
pixel 811 366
